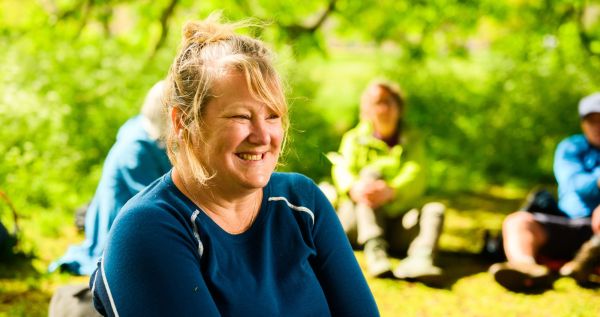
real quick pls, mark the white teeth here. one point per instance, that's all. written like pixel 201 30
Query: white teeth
pixel 250 157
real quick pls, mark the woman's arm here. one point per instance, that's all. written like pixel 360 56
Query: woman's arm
pixel 571 174
pixel 151 267
pixel 336 267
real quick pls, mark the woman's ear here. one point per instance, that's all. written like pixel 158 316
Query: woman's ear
pixel 176 122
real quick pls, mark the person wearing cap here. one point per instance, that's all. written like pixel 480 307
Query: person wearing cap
pixel 380 176
pixel 137 158
pixel 570 231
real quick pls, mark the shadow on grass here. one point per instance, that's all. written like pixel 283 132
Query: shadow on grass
pixel 481 201
pixel 455 264
pixel 30 303
pixel 17 265
pixel 458 265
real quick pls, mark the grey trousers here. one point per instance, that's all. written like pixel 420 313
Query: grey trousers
pixel 72 301
pixel 415 232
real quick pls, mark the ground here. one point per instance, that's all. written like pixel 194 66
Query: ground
pixel 468 290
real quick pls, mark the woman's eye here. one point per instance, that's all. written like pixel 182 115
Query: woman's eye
pixel 241 116
pixel 272 116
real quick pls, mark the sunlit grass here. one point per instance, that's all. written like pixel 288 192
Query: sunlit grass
pixel 468 290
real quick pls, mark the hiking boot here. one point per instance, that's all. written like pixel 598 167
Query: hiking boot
pixel 582 267
pixel 378 264
pixel 420 269
pixel 522 277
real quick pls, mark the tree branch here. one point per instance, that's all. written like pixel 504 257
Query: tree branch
pixel 585 39
pixel 164 26
pixel 87 9
pixel 296 30
pixel 329 10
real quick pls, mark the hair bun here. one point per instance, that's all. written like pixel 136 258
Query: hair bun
pixel 207 31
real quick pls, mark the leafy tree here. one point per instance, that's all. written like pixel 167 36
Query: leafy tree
pixel 493 84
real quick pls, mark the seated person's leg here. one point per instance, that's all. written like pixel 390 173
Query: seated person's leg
pixel 431 222
pixel 419 263
pixel 596 221
pixel 583 267
pixel 364 227
pixel 72 301
pixel 523 237
pixel 401 231
pixel 564 235
pixel 347 216
pixel 370 224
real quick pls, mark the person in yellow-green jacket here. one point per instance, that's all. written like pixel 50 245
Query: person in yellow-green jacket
pixel 380 177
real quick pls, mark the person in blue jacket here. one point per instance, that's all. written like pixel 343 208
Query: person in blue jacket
pixel 569 230
pixel 137 158
pixel 222 234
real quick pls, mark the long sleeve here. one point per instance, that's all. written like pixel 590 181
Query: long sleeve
pixel 151 268
pixel 576 168
pixel 336 267
pixel 165 257
pixel 409 183
pixel 343 172
pixel 570 171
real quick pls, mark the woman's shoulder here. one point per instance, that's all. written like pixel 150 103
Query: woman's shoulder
pixel 292 179
pixel 158 202
pixel 290 184
pixel 296 188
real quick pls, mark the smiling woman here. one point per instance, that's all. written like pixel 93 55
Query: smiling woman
pixel 222 234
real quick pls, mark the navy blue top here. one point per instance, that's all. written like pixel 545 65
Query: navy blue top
pixel 133 162
pixel 577 169
pixel 165 257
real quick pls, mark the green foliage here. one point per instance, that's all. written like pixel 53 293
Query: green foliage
pixel 309 138
pixel 62 99
pixel 493 85
pixel 498 116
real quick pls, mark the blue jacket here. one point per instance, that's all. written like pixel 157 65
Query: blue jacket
pixel 165 257
pixel 577 169
pixel 134 161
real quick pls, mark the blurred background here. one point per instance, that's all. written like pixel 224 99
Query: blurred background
pixel 493 84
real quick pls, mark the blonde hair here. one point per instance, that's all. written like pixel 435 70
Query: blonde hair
pixel 210 49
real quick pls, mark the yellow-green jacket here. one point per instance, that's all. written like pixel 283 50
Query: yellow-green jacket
pixel 401 166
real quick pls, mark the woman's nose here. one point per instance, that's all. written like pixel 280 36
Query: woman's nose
pixel 259 132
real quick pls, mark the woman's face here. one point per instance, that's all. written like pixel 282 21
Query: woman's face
pixel 382 110
pixel 590 125
pixel 243 136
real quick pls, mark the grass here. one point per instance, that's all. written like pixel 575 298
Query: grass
pixel 26 288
